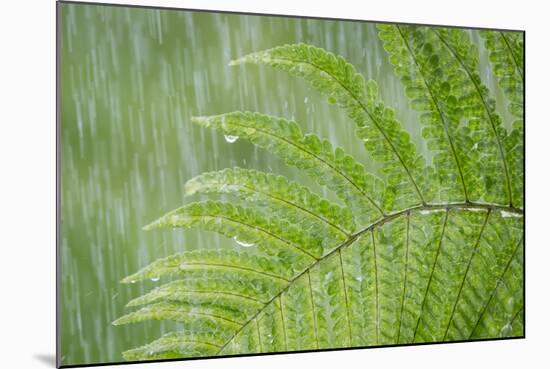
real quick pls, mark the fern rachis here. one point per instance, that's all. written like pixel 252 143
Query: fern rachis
pixel 428 252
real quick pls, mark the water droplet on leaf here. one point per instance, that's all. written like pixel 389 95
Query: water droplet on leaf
pixel 242 243
pixel 230 138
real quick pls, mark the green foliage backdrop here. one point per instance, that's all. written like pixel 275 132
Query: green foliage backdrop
pixel 405 225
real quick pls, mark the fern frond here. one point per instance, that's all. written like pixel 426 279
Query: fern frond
pixel 272 328
pixel 181 312
pixel 389 267
pixel 176 345
pixel 494 274
pixel 413 289
pixel 422 242
pixel 360 272
pixel 242 285
pixel 330 307
pixel 483 121
pixel 362 192
pixel 247 226
pixel 171 293
pixel 281 197
pixel 217 260
pixel 247 338
pixel 506 56
pixel 435 85
pixel 514 147
pixel 389 248
pixel 382 134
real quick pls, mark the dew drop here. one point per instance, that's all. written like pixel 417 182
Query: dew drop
pixel 242 243
pixel 133 281
pixel 230 138
pixel 155 279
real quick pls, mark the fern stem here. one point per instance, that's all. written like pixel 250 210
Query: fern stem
pixel 443 120
pixel 458 205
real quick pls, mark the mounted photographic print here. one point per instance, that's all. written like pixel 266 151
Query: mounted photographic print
pixel 241 184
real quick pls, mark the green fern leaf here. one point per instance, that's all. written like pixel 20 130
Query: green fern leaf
pixel 484 123
pixel 413 300
pixel 362 192
pixel 279 197
pixel 247 226
pixel 415 260
pixel 230 300
pixel 240 285
pixel 175 345
pixel 181 312
pixel 513 146
pixel 435 84
pixel 424 274
pixel 215 260
pixel 506 55
pixel 382 134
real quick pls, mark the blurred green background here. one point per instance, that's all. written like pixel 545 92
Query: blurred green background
pixel 131 79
